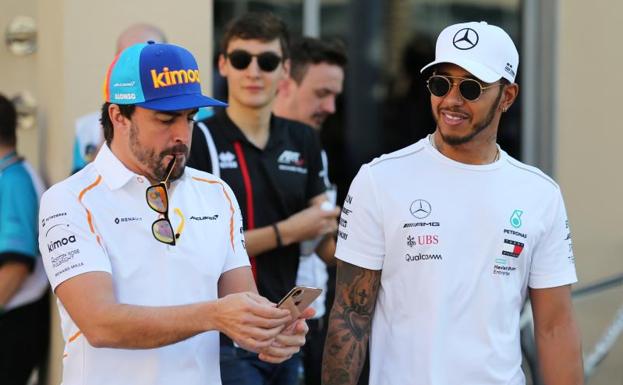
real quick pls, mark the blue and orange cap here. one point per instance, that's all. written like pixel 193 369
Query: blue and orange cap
pixel 156 76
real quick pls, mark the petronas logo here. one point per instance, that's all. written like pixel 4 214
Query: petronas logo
pixel 516 218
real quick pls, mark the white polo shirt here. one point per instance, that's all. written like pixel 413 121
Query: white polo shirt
pixel 99 220
pixel 458 245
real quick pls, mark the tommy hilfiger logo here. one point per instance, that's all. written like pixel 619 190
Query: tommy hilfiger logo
pixel 512 248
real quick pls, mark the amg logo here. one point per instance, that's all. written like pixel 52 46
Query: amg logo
pixel 422 224
pixel 61 242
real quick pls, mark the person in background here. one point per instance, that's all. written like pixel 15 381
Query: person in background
pixel 308 95
pixel 24 304
pixel 273 166
pixel 88 128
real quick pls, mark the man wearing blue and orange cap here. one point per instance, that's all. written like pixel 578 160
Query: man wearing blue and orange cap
pixel 147 256
pixel 446 239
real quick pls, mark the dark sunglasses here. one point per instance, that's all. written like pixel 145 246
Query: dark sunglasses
pixel 158 199
pixel 240 59
pixel 470 89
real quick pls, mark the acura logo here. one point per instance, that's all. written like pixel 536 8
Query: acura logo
pixel 420 208
pixel 465 38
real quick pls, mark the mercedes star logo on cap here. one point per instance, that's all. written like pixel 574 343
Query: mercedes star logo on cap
pixel 420 208
pixel 465 38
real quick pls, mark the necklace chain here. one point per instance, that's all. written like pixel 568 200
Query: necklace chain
pixel 432 143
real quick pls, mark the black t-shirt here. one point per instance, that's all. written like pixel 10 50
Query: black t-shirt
pixel 282 178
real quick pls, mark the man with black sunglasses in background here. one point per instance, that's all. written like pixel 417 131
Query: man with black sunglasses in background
pixel 147 256
pixel 446 238
pixel 273 166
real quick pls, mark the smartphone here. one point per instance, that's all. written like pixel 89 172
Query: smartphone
pixel 298 299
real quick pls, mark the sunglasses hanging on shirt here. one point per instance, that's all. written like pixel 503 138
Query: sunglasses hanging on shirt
pixel 158 200
pixel 240 59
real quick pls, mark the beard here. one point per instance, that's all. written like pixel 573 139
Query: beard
pixel 477 128
pixel 154 163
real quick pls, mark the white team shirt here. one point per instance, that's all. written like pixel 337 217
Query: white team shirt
pixel 458 245
pixel 99 220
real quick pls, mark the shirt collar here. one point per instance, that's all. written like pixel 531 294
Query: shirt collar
pixel 114 173
pixel 10 155
pixel 233 133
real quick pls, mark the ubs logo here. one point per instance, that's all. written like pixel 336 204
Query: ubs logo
pixel 465 38
pixel 420 208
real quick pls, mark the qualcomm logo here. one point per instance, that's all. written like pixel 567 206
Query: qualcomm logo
pixel 227 160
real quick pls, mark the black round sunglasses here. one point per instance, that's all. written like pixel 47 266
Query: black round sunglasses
pixel 470 89
pixel 240 59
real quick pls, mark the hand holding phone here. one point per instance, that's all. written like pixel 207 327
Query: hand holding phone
pixel 298 299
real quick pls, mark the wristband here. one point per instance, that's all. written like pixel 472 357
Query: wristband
pixel 277 235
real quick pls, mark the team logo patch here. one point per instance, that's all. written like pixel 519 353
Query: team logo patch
pixel 512 248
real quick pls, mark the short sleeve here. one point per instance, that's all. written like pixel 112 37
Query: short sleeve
pixel 553 262
pixel 361 239
pixel 237 256
pixel 68 239
pixel 18 213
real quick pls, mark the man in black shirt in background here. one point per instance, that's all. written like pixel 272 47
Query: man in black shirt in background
pixel 273 166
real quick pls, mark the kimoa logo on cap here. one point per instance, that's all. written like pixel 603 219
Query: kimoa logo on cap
pixel 167 78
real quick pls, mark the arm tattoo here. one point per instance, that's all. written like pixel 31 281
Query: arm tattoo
pixel 349 323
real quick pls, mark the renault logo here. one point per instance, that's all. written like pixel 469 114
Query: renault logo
pixel 420 208
pixel 465 38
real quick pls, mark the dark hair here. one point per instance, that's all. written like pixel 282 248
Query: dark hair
pixel 262 26
pixel 8 122
pixel 126 110
pixel 307 50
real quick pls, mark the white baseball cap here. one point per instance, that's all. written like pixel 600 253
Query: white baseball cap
pixel 484 50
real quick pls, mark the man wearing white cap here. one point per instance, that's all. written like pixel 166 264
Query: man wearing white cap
pixel 446 238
